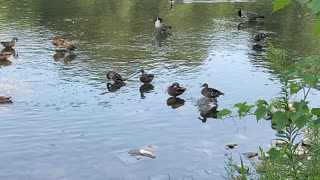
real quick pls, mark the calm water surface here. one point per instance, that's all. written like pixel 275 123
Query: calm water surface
pixel 65 124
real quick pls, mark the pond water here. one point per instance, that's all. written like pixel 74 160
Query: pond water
pixel 65 124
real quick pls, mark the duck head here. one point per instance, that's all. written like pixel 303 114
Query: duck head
pixel 175 84
pixel 205 85
pixel 15 39
pixel 142 71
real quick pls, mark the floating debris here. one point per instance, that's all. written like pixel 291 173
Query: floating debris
pixel 141 152
pixel 250 154
pixel 231 146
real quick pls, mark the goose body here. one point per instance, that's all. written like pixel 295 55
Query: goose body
pixel 175 90
pixel 210 92
pixel 160 26
pixel 146 78
pixel 114 76
pixel 9 44
pixel 249 16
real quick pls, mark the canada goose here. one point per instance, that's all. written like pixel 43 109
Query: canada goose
pixel 160 26
pixel 249 16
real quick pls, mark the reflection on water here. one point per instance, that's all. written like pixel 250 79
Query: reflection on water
pixel 5 62
pixel 10 50
pixel 113 87
pixel 175 102
pixel 60 118
pixel 161 38
pixel 145 88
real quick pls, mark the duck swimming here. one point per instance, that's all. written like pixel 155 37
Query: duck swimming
pixel 175 90
pixel 259 37
pixel 9 44
pixel 249 16
pixel 210 92
pixel 114 76
pixel 63 43
pixel 146 78
pixel 160 26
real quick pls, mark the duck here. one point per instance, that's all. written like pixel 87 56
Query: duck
pixel 259 37
pixel 175 90
pixel 63 43
pixel 5 99
pixel 9 44
pixel 160 26
pixel 5 55
pixel 249 16
pixel 210 93
pixel 114 76
pixel 146 78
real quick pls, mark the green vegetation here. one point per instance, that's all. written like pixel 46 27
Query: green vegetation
pixel 295 157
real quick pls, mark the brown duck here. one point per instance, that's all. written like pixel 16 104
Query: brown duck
pixel 5 55
pixel 9 44
pixel 146 78
pixel 175 89
pixel 5 99
pixel 210 92
pixel 114 76
pixel 63 43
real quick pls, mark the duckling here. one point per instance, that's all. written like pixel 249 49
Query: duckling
pixel 259 37
pixel 175 89
pixel 5 99
pixel 210 93
pixel 9 44
pixel 146 78
pixel 250 16
pixel 5 55
pixel 114 76
pixel 160 26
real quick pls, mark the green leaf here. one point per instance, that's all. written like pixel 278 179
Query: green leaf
pixel 279 4
pixel 317 29
pixel 303 2
pixel 243 108
pixel 260 112
pixel 280 119
pixel 315 6
pixel 223 112
pixel 315 111
pixel 295 87
pixel 301 122
pixel 274 154
pixel 261 102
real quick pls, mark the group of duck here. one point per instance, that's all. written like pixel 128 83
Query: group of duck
pixel 174 90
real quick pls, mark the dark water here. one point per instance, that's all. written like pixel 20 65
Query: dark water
pixel 65 124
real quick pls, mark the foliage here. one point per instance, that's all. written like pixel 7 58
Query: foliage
pixel 313 5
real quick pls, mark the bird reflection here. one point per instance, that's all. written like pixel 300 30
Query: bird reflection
pixel 61 54
pixel 207 109
pixel 161 37
pixel 175 102
pixel 115 86
pixel 5 62
pixel 212 113
pixel 69 58
pixel 10 50
pixel 249 24
pixel 145 88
